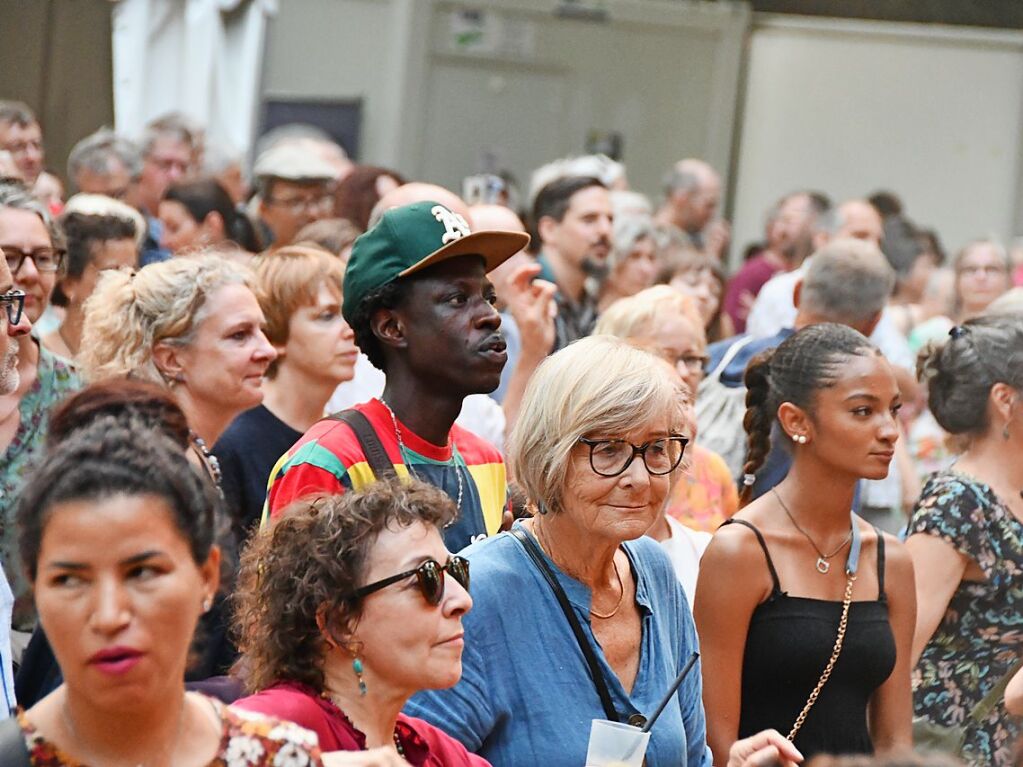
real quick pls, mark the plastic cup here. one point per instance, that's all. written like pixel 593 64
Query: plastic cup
pixel 613 744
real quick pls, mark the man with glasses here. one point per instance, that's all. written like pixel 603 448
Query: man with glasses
pixel 21 135
pixel 294 189
pixel 33 254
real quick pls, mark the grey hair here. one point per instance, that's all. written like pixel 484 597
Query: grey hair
pixel 597 385
pixel 96 152
pixel 990 242
pixel 629 230
pixel 849 281
pixel 16 113
pixel 173 124
pixel 680 180
pixel 13 194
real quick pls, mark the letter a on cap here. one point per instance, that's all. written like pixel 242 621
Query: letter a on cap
pixel 455 226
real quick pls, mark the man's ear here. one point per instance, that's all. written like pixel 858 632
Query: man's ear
pixel 546 227
pixel 797 293
pixel 167 358
pixel 389 327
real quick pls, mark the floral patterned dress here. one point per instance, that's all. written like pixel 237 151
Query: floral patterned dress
pixel 980 636
pixel 247 740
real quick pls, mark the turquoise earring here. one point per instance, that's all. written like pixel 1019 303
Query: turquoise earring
pixel 357 668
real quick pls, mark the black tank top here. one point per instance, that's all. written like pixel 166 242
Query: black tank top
pixel 789 642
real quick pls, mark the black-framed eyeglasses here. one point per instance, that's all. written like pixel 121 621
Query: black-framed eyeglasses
pixel 14 302
pixel 45 259
pixel 610 457
pixel 430 575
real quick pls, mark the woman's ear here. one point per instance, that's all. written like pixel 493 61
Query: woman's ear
pixel 794 421
pixel 213 225
pixel 210 572
pixel 1002 399
pixel 167 358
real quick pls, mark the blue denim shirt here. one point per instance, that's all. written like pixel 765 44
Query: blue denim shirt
pixel 526 696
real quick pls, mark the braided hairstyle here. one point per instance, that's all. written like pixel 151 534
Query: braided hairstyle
pixel 112 456
pixel 793 372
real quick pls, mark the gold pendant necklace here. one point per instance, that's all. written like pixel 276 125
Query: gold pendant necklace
pixel 823 565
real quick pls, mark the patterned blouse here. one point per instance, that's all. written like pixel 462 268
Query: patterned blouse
pixel 981 635
pixel 56 378
pixel 705 495
pixel 247 740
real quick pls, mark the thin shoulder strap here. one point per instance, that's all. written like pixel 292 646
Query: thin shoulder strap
pixel 373 449
pixel 584 645
pixel 880 564
pixel 763 545
pixel 728 356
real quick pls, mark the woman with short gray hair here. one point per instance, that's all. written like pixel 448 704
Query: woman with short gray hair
pixel 577 615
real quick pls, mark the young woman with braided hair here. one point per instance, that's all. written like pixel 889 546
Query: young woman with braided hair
pixel 827 659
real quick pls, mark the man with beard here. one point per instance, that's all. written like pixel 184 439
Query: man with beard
pixel 417 296
pixel 572 218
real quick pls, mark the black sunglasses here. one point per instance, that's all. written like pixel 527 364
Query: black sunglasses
pixel 14 301
pixel 431 579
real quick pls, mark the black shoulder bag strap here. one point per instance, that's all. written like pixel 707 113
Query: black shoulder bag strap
pixel 13 749
pixel 587 649
pixel 376 456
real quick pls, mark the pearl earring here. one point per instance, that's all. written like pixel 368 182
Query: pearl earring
pixel 799 439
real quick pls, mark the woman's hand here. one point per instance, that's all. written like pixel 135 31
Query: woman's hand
pixel 376 757
pixel 765 749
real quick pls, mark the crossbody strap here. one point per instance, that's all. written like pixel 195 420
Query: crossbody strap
pixel 728 356
pixel 994 695
pixel 591 659
pixel 13 749
pixel 373 449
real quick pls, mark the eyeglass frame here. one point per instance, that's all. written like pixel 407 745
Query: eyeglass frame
pixel 299 205
pixel 15 303
pixel 636 450
pixel 59 254
pixel 445 569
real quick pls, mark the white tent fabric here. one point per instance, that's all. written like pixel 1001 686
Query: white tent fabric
pixel 200 57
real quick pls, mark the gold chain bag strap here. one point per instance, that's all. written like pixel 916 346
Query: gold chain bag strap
pixel 851 565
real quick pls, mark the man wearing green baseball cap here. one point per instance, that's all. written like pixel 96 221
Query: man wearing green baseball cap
pixel 417 296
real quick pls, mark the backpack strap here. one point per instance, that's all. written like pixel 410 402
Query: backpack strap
pixel 13 749
pixel 373 449
pixel 729 355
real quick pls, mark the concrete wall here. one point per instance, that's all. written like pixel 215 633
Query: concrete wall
pixel 932 113
pixel 530 88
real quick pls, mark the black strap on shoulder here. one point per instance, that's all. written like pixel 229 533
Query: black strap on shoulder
pixel 376 456
pixel 880 564
pixel 13 749
pixel 591 659
pixel 763 545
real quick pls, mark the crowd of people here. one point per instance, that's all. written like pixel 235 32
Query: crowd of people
pixel 318 464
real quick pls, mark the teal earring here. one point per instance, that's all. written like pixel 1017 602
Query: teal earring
pixel 357 668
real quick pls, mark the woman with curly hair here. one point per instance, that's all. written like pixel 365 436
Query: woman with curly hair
pixel 372 619
pixel 805 612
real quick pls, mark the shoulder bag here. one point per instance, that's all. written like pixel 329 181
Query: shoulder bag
pixel 637 720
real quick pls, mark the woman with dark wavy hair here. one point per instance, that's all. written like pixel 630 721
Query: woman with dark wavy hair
pixel 374 616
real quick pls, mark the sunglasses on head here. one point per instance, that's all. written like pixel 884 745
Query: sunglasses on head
pixel 430 575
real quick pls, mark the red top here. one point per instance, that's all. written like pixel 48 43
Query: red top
pixel 424 744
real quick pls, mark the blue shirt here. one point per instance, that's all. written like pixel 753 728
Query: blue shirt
pixel 526 696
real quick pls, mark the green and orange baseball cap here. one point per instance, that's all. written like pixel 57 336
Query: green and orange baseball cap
pixel 413 237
